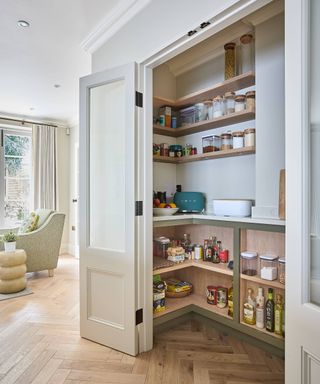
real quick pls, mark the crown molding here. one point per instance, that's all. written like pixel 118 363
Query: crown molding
pixel 115 20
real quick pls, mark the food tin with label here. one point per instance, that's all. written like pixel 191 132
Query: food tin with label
pixel 222 297
pixel 164 149
pixel 211 293
pixel 198 252
pixel 224 256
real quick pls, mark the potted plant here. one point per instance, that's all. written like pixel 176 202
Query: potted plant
pixel 9 239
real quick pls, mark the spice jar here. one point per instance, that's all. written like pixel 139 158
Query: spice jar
pixel 251 101
pixel 207 144
pixel 218 106
pixel 268 267
pixel 239 103
pixel 247 53
pixel 208 109
pixel 249 263
pixel 282 270
pixel 216 142
pixel 237 139
pixel 229 102
pixel 226 141
pixel 249 137
pixel 229 61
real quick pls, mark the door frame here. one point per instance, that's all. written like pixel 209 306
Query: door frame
pixel 218 22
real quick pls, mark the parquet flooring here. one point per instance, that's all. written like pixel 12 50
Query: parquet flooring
pixel 40 343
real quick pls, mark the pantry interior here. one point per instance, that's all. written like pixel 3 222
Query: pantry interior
pixel 194 76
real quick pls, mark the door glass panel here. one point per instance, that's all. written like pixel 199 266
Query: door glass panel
pixel 107 166
pixel 315 151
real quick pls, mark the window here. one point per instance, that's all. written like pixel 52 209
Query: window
pixel 15 172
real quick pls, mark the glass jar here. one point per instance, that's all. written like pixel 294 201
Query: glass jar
pixel 160 246
pixel 218 106
pixel 226 141
pixel 164 149
pixel 249 137
pixel 246 53
pixel 239 103
pixel 251 101
pixel 229 102
pixel 249 263
pixel 237 139
pixel 175 150
pixel 282 270
pixel 268 267
pixel 216 142
pixel 200 114
pixel 208 108
pixel 229 61
pixel 187 150
pixel 207 144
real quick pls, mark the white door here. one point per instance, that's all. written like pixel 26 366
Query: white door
pixel 107 208
pixel 303 191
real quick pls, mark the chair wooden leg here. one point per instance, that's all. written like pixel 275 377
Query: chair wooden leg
pixel 50 272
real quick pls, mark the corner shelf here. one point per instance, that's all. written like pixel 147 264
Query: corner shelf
pixel 206 156
pixel 238 82
pixel 263 330
pixel 258 280
pixel 201 126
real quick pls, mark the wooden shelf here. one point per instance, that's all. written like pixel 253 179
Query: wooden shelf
pixel 201 126
pixel 206 156
pixel 238 82
pixel 272 334
pixel 268 283
pixel 218 268
pixel 193 299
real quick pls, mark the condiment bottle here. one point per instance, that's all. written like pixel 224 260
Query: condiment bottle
pixel 278 315
pixel 270 311
pixel 249 310
pixel 260 310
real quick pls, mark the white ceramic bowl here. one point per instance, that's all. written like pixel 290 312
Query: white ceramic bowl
pixel 164 211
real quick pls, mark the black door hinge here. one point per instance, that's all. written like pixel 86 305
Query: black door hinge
pixel 190 33
pixel 139 208
pixel 139 99
pixel 139 316
pixel 204 24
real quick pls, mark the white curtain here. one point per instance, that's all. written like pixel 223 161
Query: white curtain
pixel 44 143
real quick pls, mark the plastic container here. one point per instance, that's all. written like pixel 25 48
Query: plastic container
pixel 237 139
pixel 218 106
pixel 216 142
pixel 249 137
pixel 249 263
pixel 207 144
pixel 268 267
pixel 187 116
pixel 239 103
pixel 226 141
pixel 282 270
pixel 229 102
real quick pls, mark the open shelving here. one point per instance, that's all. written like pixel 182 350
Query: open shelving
pixel 258 280
pixel 263 330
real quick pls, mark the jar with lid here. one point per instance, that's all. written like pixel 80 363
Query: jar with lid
pixel 164 149
pixel 251 101
pixel 226 141
pixel 239 103
pixel 268 267
pixel 200 114
pixel 216 142
pixel 246 53
pixel 175 150
pixel 207 144
pixel 229 102
pixel 237 139
pixel 229 61
pixel 282 270
pixel 187 150
pixel 218 106
pixel 249 263
pixel 208 109
pixel 249 137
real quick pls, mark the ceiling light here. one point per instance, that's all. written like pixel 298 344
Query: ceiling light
pixel 57 85
pixel 23 23
pixel 31 109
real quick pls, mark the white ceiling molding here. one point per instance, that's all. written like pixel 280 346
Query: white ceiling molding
pixel 118 17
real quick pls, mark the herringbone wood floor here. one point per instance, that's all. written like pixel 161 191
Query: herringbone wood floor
pixel 40 343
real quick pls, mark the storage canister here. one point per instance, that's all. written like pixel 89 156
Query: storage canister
pixel 216 142
pixel 226 141
pixel 239 103
pixel 229 61
pixel 268 267
pixel 207 144
pixel 208 109
pixel 222 297
pixel 247 53
pixel 218 106
pixel 237 139
pixel 251 101
pixel 200 112
pixel 282 270
pixel 249 263
pixel 249 137
pixel 229 102
pixel 164 149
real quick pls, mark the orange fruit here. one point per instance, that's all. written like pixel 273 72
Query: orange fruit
pixel 162 205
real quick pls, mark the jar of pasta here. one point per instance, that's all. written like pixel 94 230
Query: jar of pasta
pixel 229 61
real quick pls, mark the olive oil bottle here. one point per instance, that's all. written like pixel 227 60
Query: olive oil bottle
pixel 260 310
pixel 278 316
pixel 249 309
pixel 270 311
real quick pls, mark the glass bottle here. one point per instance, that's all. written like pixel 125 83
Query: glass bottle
pixel 230 301
pixel 260 310
pixel 278 315
pixel 270 311
pixel 249 310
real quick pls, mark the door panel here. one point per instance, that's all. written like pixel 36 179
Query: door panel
pixel 107 216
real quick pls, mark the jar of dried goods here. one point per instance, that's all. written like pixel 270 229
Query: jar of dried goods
pixel 237 139
pixel 251 101
pixel 229 61
pixel 226 141
pixel 239 103
pixel 229 102
pixel 249 137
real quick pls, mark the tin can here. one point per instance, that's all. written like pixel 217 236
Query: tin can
pixel 198 252
pixel 162 120
pixel 211 293
pixel 222 297
pixel 224 256
pixel 164 149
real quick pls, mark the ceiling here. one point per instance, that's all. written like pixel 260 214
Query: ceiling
pixel 49 52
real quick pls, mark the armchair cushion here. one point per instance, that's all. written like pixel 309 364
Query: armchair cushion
pixel 43 215
pixel 30 223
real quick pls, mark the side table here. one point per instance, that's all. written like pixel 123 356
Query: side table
pixel 12 271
